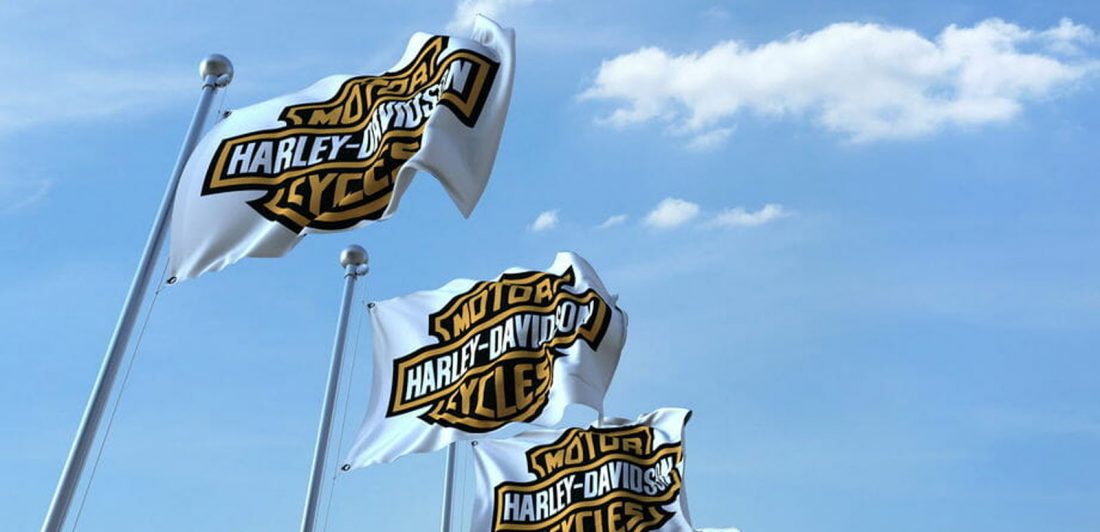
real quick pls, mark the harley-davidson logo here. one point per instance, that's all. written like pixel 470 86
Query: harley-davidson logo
pixel 594 479
pixel 334 163
pixel 497 343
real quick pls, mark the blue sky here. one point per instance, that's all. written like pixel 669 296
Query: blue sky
pixel 905 340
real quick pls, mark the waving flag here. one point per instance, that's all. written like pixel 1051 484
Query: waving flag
pixel 474 356
pixel 623 475
pixel 340 153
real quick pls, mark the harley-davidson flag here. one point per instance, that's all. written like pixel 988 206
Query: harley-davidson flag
pixel 621 475
pixel 475 356
pixel 340 153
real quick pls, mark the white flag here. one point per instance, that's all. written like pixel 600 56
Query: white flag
pixel 340 153
pixel 475 356
pixel 622 475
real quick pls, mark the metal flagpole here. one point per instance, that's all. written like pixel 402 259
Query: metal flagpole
pixel 354 261
pixel 216 71
pixel 448 489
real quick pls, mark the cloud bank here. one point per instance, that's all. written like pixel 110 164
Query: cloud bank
pixel 864 81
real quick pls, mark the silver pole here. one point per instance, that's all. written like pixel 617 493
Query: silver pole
pixel 354 261
pixel 448 489
pixel 216 71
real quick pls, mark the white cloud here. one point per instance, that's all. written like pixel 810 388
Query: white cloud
pixel 466 10
pixel 864 81
pixel 739 217
pixel 672 212
pixel 617 219
pixel 1067 37
pixel 545 221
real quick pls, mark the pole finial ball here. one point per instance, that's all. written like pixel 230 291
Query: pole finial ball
pixel 216 65
pixel 353 255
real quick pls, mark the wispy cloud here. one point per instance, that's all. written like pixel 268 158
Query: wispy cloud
pixel 865 81
pixel 18 195
pixel 85 78
pixel 709 140
pixel 739 217
pixel 612 221
pixel 671 212
pixel 676 212
pixel 715 13
pixel 64 94
pixel 545 221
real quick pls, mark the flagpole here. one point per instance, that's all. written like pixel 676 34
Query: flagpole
pixel 216 71
pixel 448 489
pixel 354 261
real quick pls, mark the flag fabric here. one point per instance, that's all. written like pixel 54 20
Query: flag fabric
pixel 340 153
pixel 620 475
pixel 475 356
